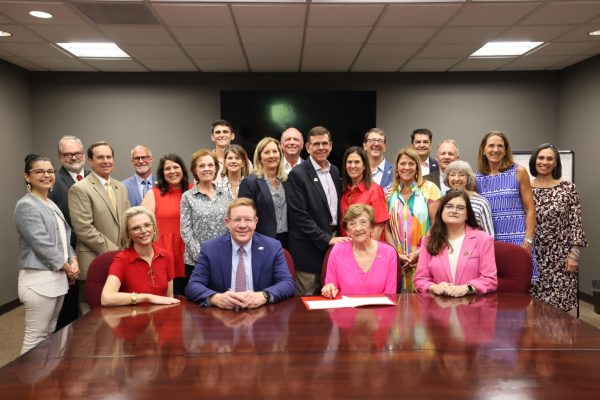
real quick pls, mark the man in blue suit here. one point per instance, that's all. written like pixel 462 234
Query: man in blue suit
pixel 141 182
pixel 421 140
pixel 381 170
pixel 241 269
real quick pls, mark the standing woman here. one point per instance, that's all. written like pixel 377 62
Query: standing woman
pixel 203 208
pixel 235 169
pixel 267 187
pixel 412 203
pixel 506 186
pixel 358 188
pixel 47 261
pixel 559 235
pixel 164 201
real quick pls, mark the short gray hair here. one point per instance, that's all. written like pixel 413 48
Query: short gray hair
pixel 71 138
pixel 461 166
pixel 452 142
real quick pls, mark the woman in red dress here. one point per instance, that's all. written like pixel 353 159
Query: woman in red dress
pixel 163 200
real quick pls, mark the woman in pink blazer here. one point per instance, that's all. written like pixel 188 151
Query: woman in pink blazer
pixel 456 258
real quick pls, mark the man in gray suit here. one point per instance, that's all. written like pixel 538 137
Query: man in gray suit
pixel 446 153
pixel 96 205
pixel 141 182
pixel 72 158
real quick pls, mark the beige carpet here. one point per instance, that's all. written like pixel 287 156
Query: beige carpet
pixel 12 325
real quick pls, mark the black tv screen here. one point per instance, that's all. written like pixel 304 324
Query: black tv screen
pixel 256 114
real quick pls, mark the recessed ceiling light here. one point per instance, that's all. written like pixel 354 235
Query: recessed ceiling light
pixel 94 50
pixel 498 49
pixel 40 14
pixel 594 33
pixel 5 34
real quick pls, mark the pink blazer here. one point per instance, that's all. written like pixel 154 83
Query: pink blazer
pixel 476 264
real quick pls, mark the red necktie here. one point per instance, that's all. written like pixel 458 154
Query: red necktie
pixel 240 275
pixel 79 177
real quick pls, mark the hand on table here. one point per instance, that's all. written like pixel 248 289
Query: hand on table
pixel 329 291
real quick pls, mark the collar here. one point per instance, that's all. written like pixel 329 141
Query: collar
pixel 139 179
pixel 74 175
pixel 132 254
pixel 101 179
pixel 235 246
pixel 318 168
pixel 426 162
pixel 361 187
pixel 381 166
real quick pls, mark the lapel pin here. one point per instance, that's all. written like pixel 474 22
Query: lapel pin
pixel 466 253
pixel 316 179
pixel 261 248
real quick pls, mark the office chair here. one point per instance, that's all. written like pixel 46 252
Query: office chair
pixel 290 263
pixel 514 268
pixel 96 277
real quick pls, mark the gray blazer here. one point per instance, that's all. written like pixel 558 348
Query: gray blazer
pixel 40 244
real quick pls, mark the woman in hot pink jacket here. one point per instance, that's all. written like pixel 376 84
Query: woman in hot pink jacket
pixel 456 258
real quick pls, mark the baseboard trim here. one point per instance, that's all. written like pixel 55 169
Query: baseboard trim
pixel 588 298
pixel 11 305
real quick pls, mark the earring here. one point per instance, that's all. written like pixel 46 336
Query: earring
pixel 28 187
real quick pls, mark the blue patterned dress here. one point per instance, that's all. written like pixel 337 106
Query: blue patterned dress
pixel 503 193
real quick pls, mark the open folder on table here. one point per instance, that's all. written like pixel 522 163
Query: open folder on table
pixel 322 303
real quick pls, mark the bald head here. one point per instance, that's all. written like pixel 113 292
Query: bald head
pixel 292 143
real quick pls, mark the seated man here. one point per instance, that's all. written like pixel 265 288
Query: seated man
pixel 241 269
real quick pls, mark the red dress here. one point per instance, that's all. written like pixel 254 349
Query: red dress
pixel 169 232
pixel 373 196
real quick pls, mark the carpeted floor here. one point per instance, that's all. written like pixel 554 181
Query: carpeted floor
pixel 12 325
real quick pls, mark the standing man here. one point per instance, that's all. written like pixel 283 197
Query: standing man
pixel 291 144
pixel 96 205
pixel 72 158
pixel 241 269
pixel 221 133
pixel 141 182
pixel 381 170
pixel 421 140
pixel 446 153
pixel 313 200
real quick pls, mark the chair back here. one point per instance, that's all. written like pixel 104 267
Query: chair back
pixel 324 267
pixel 514 267
pixel 96 277
pixel 290 262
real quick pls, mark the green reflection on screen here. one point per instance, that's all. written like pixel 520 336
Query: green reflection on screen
pixel 283 115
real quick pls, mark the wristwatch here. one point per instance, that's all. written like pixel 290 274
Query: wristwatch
pixel 471 289
pixel 528 240
pixel 267 296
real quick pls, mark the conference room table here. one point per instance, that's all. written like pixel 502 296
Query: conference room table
pixel 496 346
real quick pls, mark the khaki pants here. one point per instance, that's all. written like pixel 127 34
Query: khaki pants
pixel 307 283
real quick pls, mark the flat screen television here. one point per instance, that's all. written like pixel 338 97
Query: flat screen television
pixel 256 114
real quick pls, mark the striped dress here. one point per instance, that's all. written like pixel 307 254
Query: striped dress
pixel 483 213
pixel 409 221
pixel 503 193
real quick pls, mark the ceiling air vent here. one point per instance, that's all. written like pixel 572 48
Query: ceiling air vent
pixel 117 14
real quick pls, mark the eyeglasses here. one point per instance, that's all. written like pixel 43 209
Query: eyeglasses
pixel 138 228
pixel 319 144
pixel 141 158
pixel 41 172
pixel 458 208
pixel 239 221
pixel 70 156
pixel 376 141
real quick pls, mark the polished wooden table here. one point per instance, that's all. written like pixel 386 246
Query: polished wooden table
pixel 480 347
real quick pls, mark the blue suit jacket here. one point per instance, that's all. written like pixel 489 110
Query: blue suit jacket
pixel 212 273
pixel 388 176
pixel 133 192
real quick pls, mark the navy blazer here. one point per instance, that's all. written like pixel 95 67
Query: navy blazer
pixel 309 218
pixel 433 166
pixel 258 190
pixel 133 191
pixel 212 273
pixel 388 176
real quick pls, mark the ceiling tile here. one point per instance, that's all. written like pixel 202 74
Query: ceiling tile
pixel 62 13
pixel 222 65
pixel 343 15
pixel 592 51
pixel 329 57
pixel 580 34
pixel 269 15
pixel 479 35
pixel 448 50
pixel 481 64
pixel 19 35
pixel 278 35
pixel 429 64
pixel 202 35
pixel 288 64
pixel 154 52
pixel 333 35
pixel 325 65
pixel 33 50
pixel 3 19
pixel 210 51
pixel 117 65
pixel 180 64
pixel 389 51
pixel 492 14
pixel 533 63
pixel 137 34
pixel 23 63
pixel 418 15
pixel 69 33
pixel 563 49
pixel 388 35
pixel 534 33
pixel 194 14
pixel 569 61
pixel 370 64
pixel 257 52
pixel 572 12
pixel 62 64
